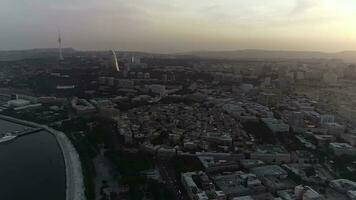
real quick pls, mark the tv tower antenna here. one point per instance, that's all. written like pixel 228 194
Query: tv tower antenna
pixel 60 45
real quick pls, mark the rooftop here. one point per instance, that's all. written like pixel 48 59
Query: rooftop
pixel 269 170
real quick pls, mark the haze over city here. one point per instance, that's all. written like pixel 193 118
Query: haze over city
pixel 180 25
pixel 177 100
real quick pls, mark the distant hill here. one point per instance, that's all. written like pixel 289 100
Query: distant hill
pixel 33 53
pixel 13 55
pixel 349 56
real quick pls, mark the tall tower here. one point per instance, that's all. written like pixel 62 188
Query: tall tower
pixel 60 46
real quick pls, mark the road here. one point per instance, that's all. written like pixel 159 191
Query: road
pixel 169 177
pixel 74 176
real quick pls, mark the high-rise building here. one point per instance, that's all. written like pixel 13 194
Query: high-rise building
pixel 135 60
pixel 115 61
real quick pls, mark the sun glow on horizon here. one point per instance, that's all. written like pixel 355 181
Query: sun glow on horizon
pixel 179 25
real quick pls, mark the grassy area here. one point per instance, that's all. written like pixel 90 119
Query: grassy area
pixel 158 191
pixel 261 132
pixel 186 164
pixel 130 166
pixel 341 163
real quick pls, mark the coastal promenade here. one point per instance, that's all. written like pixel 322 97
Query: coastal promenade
pixel 74 176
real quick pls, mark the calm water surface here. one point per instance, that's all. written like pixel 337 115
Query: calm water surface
pixel 31 167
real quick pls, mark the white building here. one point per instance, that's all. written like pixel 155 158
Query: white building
pixel 82 106
pixel 18 103
pixel 306 193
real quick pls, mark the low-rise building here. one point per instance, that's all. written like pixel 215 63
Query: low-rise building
pixel 215 165
pixel 300 192
pixel 343 185
pixel 275 125
pixel 273 177
pixel 82 106
pixel 270 170
pixel 271 154
pixel 334 128
pixel 302 157
pixel 18 103
pixel 250 163
pixel 324 140
pixel 218 138
pixel 199 187
pixel 350 138
pixel 267 99
pixel 342 149
pixel 238 184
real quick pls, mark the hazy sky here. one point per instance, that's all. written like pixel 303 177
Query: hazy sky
pixel 179 25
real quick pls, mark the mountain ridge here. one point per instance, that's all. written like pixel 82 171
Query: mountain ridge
pixel 349 55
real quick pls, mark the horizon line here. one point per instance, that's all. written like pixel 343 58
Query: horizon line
pixel 181 52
